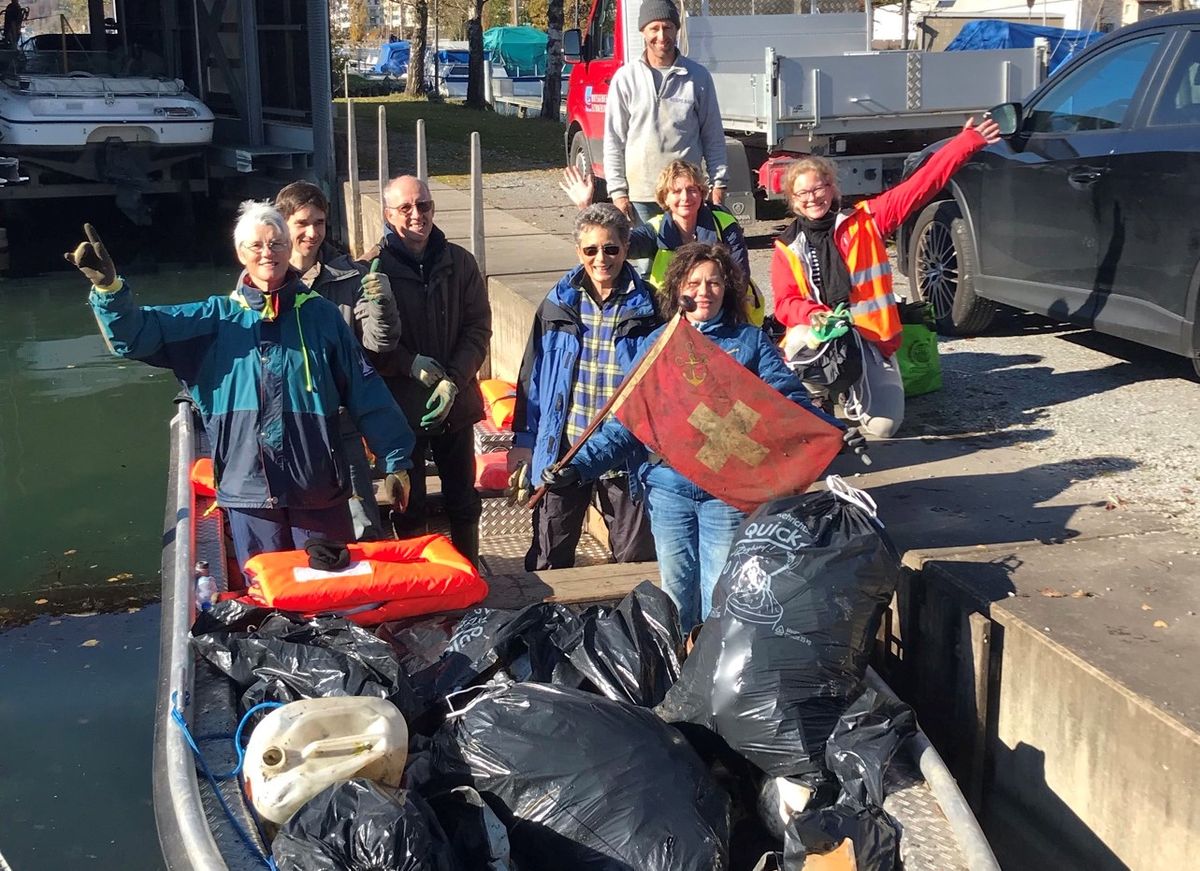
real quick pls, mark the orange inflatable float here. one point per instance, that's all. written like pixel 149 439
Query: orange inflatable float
pixel 501 399
pixel 385 580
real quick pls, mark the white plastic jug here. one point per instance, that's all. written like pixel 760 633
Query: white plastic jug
pixel 301 748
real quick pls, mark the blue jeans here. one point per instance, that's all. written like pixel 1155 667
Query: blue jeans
pixel 692 534
pixel 646 211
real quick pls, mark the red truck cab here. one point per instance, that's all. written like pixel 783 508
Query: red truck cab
pixel 596 54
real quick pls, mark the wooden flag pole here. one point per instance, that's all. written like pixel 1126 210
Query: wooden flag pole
pixel 619 394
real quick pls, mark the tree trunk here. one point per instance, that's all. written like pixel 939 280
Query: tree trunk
pixel 475 96
pixel 416 50
pixel 552 86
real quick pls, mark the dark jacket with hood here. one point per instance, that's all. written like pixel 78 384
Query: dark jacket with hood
pixel 551 361
pixel 444 313
pixel 268 381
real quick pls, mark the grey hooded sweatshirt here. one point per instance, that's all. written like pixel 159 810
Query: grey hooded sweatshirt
pixel 645 127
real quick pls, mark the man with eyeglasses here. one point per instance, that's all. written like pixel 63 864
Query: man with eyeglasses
pixel 661 107
pixel 585 336
pixel 366 303
pixel 445 329
pixel 267 366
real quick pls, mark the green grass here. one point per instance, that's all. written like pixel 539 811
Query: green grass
pixel 508 143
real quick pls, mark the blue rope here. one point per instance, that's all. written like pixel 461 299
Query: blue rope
pixel 177 716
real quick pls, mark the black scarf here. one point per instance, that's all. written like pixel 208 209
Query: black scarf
pixel 834 277
pixel 423 265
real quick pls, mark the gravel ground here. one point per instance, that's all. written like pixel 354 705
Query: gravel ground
pixel 1119 415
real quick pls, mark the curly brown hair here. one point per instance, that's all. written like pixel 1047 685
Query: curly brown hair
pixel 688 257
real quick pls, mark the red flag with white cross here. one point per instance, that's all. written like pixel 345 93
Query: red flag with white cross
pixel 720 425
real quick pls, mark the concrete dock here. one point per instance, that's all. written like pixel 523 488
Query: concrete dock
pixel 1048 640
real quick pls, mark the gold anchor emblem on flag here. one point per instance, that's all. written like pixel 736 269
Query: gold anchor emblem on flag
pixel 694 368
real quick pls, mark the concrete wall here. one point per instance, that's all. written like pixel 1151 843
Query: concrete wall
pixel 1067 767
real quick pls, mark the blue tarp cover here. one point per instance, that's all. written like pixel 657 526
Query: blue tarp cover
pixel 1064 44
pixel 393 59
pixel 522 50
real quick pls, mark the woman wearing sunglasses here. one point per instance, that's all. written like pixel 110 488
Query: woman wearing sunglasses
pixel 585 335
pixel 681 191
pixel 831 256
pixel 693 529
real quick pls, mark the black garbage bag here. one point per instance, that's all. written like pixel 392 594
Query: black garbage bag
pixel 477 838
pixel 280 657
pixel 783 651
pixel 875 837
pixel 358 825
pixel 587 783
pixel 863 743
pixel 634 652
pixel 630 653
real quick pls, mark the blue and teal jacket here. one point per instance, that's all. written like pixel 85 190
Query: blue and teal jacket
pixel 612 444
pixel 551 361
pixel 268 373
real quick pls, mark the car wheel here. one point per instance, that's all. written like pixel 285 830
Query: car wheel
pixel 943 264
pixel 581 159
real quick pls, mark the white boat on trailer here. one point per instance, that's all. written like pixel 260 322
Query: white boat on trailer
pixel 51 112
pixel 207 823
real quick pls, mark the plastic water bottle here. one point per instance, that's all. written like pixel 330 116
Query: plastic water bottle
pixel 206 586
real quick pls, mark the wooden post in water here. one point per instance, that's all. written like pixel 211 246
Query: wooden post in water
pixel 422 160
pixel 477 235
pixel 383 154
pixel 354 212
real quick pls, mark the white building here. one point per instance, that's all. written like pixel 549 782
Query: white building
pixel 934 23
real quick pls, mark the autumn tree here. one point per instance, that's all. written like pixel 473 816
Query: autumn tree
pixel 416 50
pixel 358 21
pixel 552 86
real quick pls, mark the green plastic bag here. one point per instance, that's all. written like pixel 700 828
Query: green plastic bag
pixel 920 367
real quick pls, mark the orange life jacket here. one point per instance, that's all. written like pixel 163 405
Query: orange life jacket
pixel 872 306
pixel 385 580
pixel 204 482
pixel 500 397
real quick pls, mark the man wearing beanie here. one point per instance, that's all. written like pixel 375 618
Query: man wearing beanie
pixel 661 107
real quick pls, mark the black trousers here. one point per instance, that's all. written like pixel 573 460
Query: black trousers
pixel 454 453
pixel 558 524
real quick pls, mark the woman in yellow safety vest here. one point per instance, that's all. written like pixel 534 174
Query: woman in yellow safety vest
pixel 830 257
pixel 681 191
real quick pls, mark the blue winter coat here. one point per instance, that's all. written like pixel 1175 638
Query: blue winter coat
pixel 268 388
pixel 551 360
pixel 613 444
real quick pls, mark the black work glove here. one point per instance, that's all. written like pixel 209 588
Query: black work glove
pixel 92 259
pixel 560 479
pixel 856 443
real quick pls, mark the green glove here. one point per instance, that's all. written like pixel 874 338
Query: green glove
pixel 833 324
pixel 375 284
pixel 439 404
pixel 93 260
pixel 396 488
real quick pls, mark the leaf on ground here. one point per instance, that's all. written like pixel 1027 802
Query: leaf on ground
pixel 1082 594
pixel 69 552
pixel 41 601
pixel 91 642
pixel 1160 624
pixel 1146 607
pixel 1050 593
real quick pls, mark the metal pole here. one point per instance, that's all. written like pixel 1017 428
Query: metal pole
pixel 436 60
pixel 354 213
pixel 477 236
pixel 488 96
pixel 422 160
pixel 383 154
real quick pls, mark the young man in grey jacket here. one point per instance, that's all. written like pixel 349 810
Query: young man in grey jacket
pixel 661 107
pixel 366 302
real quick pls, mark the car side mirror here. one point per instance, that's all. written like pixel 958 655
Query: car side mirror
pixel 572 46
pixel 1008 116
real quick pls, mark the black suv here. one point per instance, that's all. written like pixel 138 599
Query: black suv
pixel 1088 209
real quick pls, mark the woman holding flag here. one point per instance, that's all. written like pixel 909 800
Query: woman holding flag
pixel 693 529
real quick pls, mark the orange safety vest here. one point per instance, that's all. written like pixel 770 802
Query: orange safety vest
pixel 385 580
pixel 872 306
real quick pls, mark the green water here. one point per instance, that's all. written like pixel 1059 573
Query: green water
pixel 83 443
pixel 83 465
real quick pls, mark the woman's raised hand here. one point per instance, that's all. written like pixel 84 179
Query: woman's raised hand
pixel 989 129
pixel 579 187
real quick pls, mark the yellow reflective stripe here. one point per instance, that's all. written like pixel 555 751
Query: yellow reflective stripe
pixel 723 220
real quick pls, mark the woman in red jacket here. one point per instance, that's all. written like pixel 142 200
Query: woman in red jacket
pixel 831 256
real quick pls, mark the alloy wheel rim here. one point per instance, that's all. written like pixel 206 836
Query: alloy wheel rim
pixel 937 268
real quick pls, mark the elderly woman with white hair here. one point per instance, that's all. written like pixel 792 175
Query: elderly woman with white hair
pixel 268 366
